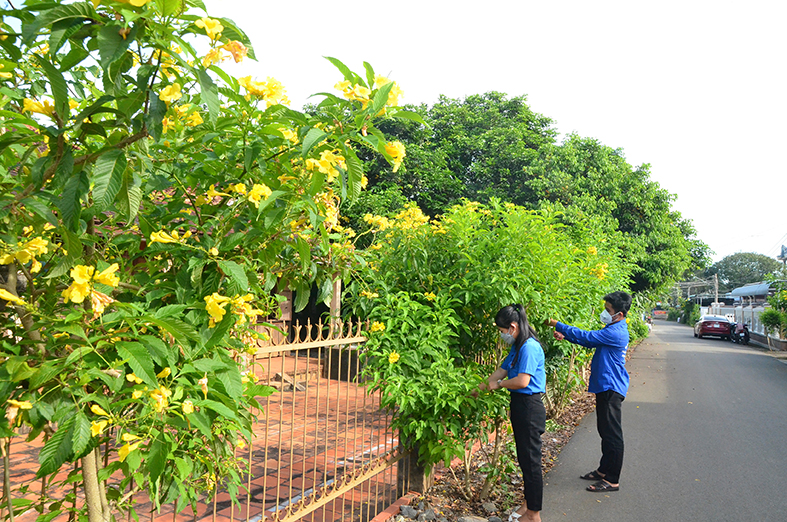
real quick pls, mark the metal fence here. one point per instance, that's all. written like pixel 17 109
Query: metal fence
pixel 322 449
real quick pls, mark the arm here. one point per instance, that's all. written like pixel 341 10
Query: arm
pixel 588 339
pixel 491 381
pixel 517 383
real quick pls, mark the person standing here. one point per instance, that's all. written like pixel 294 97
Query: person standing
pixel 522 374
pixel 609 381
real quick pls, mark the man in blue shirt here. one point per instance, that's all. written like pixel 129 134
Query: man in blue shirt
pixel 609 380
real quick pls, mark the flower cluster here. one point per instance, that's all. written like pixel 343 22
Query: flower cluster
pixel 600 271
pixel 354 92
pixel 236 49
pixel 213 28
pixel 165 237
pixel 83 286
pixel 327 164
pixel 377 326
pixel 393 357
pixel 271 91
pixel 182 113
pixel 395 149
pixel 394 94
pixel 379 223
pixel 26 252
pixel 592 251
pixel 241 305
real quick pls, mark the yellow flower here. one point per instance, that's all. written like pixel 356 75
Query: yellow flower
pixel 160 398
pixel 240 188
pixel 138 393
pixel 37 246
pixel 214 304
pixel 167 124
pixel 236 49
pixel 22 405
pixel 393 357
pixel 241 443
pixel 108 277
pixel 343 85
pixel 213 56
pixel 369 295
pixel 46 108
pixel 194 119
pixel 204 384
pixel 170 93
pixel 98 410
pixel 290 135
pixel 213 28
pixel 430 296
pixel 377 326
pixel 258 193
pixel 592 251
pixel 8 296
pixel 99 302
pixel 131 377
pixel 164 237
pixel 164 373
pixel 396 150
pixel 76 293
pixel 135 3
pixel 97 427
pixel 6 75
pixel 212 192
pixel 126 449
pixel 188 407
pixel 128 437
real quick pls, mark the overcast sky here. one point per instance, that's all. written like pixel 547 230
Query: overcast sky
pixel 694 88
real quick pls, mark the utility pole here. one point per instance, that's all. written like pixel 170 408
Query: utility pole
pixel 716 286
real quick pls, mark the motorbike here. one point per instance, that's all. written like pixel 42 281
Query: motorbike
pixel 740 337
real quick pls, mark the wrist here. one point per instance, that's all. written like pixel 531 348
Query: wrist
pixel 500 383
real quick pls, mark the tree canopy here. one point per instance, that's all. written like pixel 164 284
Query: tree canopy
pixel 491 146
pixel 743 268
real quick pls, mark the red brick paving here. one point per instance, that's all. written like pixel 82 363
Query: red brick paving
pixel 305 437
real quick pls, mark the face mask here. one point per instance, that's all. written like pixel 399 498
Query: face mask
pixel 507 338
pixel 605 317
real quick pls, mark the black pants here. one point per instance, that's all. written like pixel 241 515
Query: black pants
pixel 608 406
pixel 528 418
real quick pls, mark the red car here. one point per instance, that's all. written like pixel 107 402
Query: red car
pixel 712 325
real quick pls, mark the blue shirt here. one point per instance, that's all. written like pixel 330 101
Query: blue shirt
pixel 608 367
pixel 531 362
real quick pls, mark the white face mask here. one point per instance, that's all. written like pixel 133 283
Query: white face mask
pixel 507 338
pixel 605 317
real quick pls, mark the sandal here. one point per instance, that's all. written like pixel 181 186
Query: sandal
pixel 593 475
pixel 602 486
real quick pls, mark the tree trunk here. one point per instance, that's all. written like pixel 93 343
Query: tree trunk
pixel 95 511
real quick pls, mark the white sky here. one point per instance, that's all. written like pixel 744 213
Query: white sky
pixel 695 88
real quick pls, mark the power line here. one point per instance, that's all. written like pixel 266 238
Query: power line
pixel 778 244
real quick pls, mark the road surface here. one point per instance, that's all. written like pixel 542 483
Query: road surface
pixel 705 428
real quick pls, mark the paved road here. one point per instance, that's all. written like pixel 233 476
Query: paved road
pixel 705 426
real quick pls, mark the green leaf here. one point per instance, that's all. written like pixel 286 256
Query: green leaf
pixel 157 459
pixel 111 44
pixel 369 74
pixel 302 294
pixel 45 373
pixel 181 331
pixel 41 209
pixel 403 114
pixel 235 272
pixel 138 358
pixel 233 32
pixel 158 350
pixel 134 194
pixel 170 7
pixel 156 112
pixel 231 380
pixel 220 331
pixel 108 178
pixel 70 204
pixel 346 72
pixel 218 407
pixel 201 421
pixel 354 174
pixel 57 449
pixel 73 244
pixel 50 17
pixel 312 137
pixel 57 83
pixel 209 94
pixel 381 97
pixel 80 438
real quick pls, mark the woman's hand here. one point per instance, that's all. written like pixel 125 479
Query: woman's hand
pixel 559 336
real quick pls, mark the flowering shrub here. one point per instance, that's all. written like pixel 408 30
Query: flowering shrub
pixel 151 206
pixel 434 286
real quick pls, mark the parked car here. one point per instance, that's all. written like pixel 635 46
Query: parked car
pixel 712 325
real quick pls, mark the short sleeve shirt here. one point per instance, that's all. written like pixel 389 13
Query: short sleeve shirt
pixel 531 362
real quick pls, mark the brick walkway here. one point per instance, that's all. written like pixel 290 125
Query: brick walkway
pixel 313 432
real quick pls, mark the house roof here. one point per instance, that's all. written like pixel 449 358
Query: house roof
pixel 751 289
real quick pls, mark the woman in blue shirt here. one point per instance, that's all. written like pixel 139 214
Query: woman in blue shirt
pixel 522 374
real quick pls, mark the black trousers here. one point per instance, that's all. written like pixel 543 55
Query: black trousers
pixel 608 406
pixel 528 418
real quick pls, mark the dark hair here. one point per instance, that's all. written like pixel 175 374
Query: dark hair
pixel 516 313
pixel 620 301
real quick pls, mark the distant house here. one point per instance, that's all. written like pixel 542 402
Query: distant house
pixel 753 293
